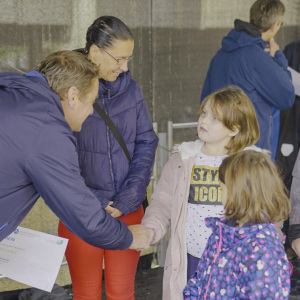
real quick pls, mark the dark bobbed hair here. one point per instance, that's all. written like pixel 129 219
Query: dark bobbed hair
pixel 105 31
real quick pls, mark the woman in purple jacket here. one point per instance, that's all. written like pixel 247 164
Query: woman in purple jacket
pixel 119 182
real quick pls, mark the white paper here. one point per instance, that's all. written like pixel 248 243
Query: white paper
pixel 32 257
pixel 295 80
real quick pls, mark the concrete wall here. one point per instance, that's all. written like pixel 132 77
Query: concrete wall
pixel 174 43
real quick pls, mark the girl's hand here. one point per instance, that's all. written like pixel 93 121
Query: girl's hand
pixel 150 233
pixel 141 239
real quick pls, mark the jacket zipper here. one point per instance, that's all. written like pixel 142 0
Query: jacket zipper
pixel 219 248
pixel 108 142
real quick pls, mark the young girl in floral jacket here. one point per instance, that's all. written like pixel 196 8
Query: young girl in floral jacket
pixel 244 257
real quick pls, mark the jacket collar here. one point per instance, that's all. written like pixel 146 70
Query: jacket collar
pixel 240 25
pixel 188 149
pixel 35 74
pixel 116 87
pixel 232 234
pixel 239 38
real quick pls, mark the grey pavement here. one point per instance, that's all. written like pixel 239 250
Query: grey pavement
pixel 148 285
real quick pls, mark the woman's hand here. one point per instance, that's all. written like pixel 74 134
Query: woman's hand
pixel 114 212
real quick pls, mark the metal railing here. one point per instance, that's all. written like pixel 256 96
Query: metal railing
pixel 172 126
pixel 161 247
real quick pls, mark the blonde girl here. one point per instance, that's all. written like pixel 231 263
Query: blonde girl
pixel 244 257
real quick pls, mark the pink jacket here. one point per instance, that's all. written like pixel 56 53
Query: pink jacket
pixel 168 207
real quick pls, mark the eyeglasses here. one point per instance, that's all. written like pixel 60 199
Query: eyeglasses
pixel 119 61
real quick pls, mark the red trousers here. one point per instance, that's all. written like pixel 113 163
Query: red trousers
pixel 86 266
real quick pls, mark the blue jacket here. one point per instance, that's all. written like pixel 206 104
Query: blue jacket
pixel 242 61
pixel 103 163
pixel 38 157
pixel 246 262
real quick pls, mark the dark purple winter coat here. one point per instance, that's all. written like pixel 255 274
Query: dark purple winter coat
pixel 38 157
pixel 102 161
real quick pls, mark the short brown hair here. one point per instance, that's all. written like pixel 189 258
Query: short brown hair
pixel 64 69
pixel 264 13
pixel 237 111
pixel 255 191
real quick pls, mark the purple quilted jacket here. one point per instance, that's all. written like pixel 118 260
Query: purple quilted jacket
pixel 103 163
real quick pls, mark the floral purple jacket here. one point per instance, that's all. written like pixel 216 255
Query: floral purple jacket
pixel 241 263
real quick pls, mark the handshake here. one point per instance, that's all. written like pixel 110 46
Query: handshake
pixel 142 237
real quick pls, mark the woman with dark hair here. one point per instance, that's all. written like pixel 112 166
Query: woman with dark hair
pixel 119 181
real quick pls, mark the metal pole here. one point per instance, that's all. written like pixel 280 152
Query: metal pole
pixel 170 137
pixel 155 174
pixel 184 125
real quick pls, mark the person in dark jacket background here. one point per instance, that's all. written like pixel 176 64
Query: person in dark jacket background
pixel 38 112
pixel 119 184
pixel 289 136
pixel 294 220
pixel 263 76
pixel 289 161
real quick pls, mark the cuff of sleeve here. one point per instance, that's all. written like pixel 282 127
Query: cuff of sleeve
pixel 280 59
pixel 104 202
pixel 152 235
pixel 154 238
pixel 121 207
pixel 129 240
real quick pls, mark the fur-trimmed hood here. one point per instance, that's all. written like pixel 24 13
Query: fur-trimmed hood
pixel 188 149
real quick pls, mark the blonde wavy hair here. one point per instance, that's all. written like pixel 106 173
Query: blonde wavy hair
pixel 255 191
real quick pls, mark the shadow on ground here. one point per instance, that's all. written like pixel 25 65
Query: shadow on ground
pixel 148 286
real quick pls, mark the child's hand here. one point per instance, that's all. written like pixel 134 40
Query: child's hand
pixel 142 237
pixel 150 232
